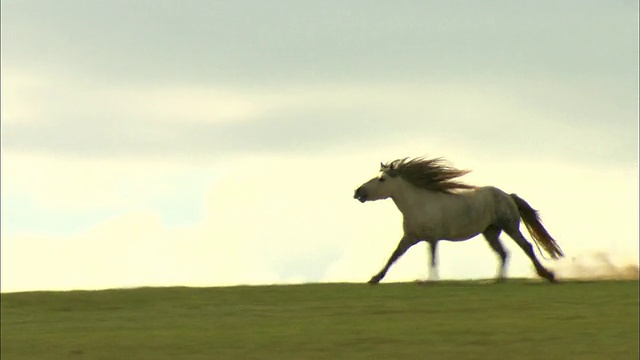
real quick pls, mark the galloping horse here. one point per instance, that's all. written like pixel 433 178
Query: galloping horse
pixel 435 206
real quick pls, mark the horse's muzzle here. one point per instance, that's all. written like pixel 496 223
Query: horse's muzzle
pixel 360 195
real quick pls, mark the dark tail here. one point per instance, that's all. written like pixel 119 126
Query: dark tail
pixel 531 220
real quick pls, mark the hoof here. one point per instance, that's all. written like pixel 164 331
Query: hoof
pixel 374 281
pixel 551 277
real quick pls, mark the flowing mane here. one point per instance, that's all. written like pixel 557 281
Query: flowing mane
pixel 430 174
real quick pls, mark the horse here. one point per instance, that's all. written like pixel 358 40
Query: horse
pixel 436 206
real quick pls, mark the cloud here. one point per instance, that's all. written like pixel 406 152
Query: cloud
pixel 278 219
pixel 132 250
pixel 210 122
pixel 258 224
pixel 287 42
pixel 203 143
pixel 209 80
pixel 61 183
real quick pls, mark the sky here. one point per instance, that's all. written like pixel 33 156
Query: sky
pixel 215 143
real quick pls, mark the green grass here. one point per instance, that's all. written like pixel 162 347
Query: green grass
pixel 447 320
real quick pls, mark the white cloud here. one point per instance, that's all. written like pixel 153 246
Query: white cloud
pixel 17 96
pixel 137 129
pixel 207 121
pixel 67 183
pixel 133 250
pixel 278 219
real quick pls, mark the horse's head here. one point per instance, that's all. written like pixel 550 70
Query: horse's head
pixel 380 187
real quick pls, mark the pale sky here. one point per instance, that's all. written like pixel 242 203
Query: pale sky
pixel 203 143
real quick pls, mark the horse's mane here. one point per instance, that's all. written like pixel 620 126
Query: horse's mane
pixel 430 174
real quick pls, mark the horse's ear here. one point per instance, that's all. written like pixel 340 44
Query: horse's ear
pixel 382 165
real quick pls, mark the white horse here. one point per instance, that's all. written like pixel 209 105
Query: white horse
pixel 437 207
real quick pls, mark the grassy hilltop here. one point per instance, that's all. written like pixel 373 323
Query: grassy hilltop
pixel 447 320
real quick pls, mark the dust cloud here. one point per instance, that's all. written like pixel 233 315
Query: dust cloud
pixel 595 266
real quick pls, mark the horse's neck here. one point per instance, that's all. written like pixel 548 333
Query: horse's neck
pixel 409 197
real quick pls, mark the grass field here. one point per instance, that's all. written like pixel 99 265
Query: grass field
pixel 447 320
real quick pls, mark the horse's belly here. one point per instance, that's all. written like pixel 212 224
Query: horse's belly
pixel 460 231
pixel 461 236
pixel 428 231
pixel 445 229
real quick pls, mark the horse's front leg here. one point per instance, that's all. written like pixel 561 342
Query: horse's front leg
pixel 405 243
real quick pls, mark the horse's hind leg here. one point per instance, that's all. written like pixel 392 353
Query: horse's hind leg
pixel 433 266
pixel 526 246
pixel 492 235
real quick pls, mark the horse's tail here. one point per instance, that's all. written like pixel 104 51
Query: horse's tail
pixel 531 220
